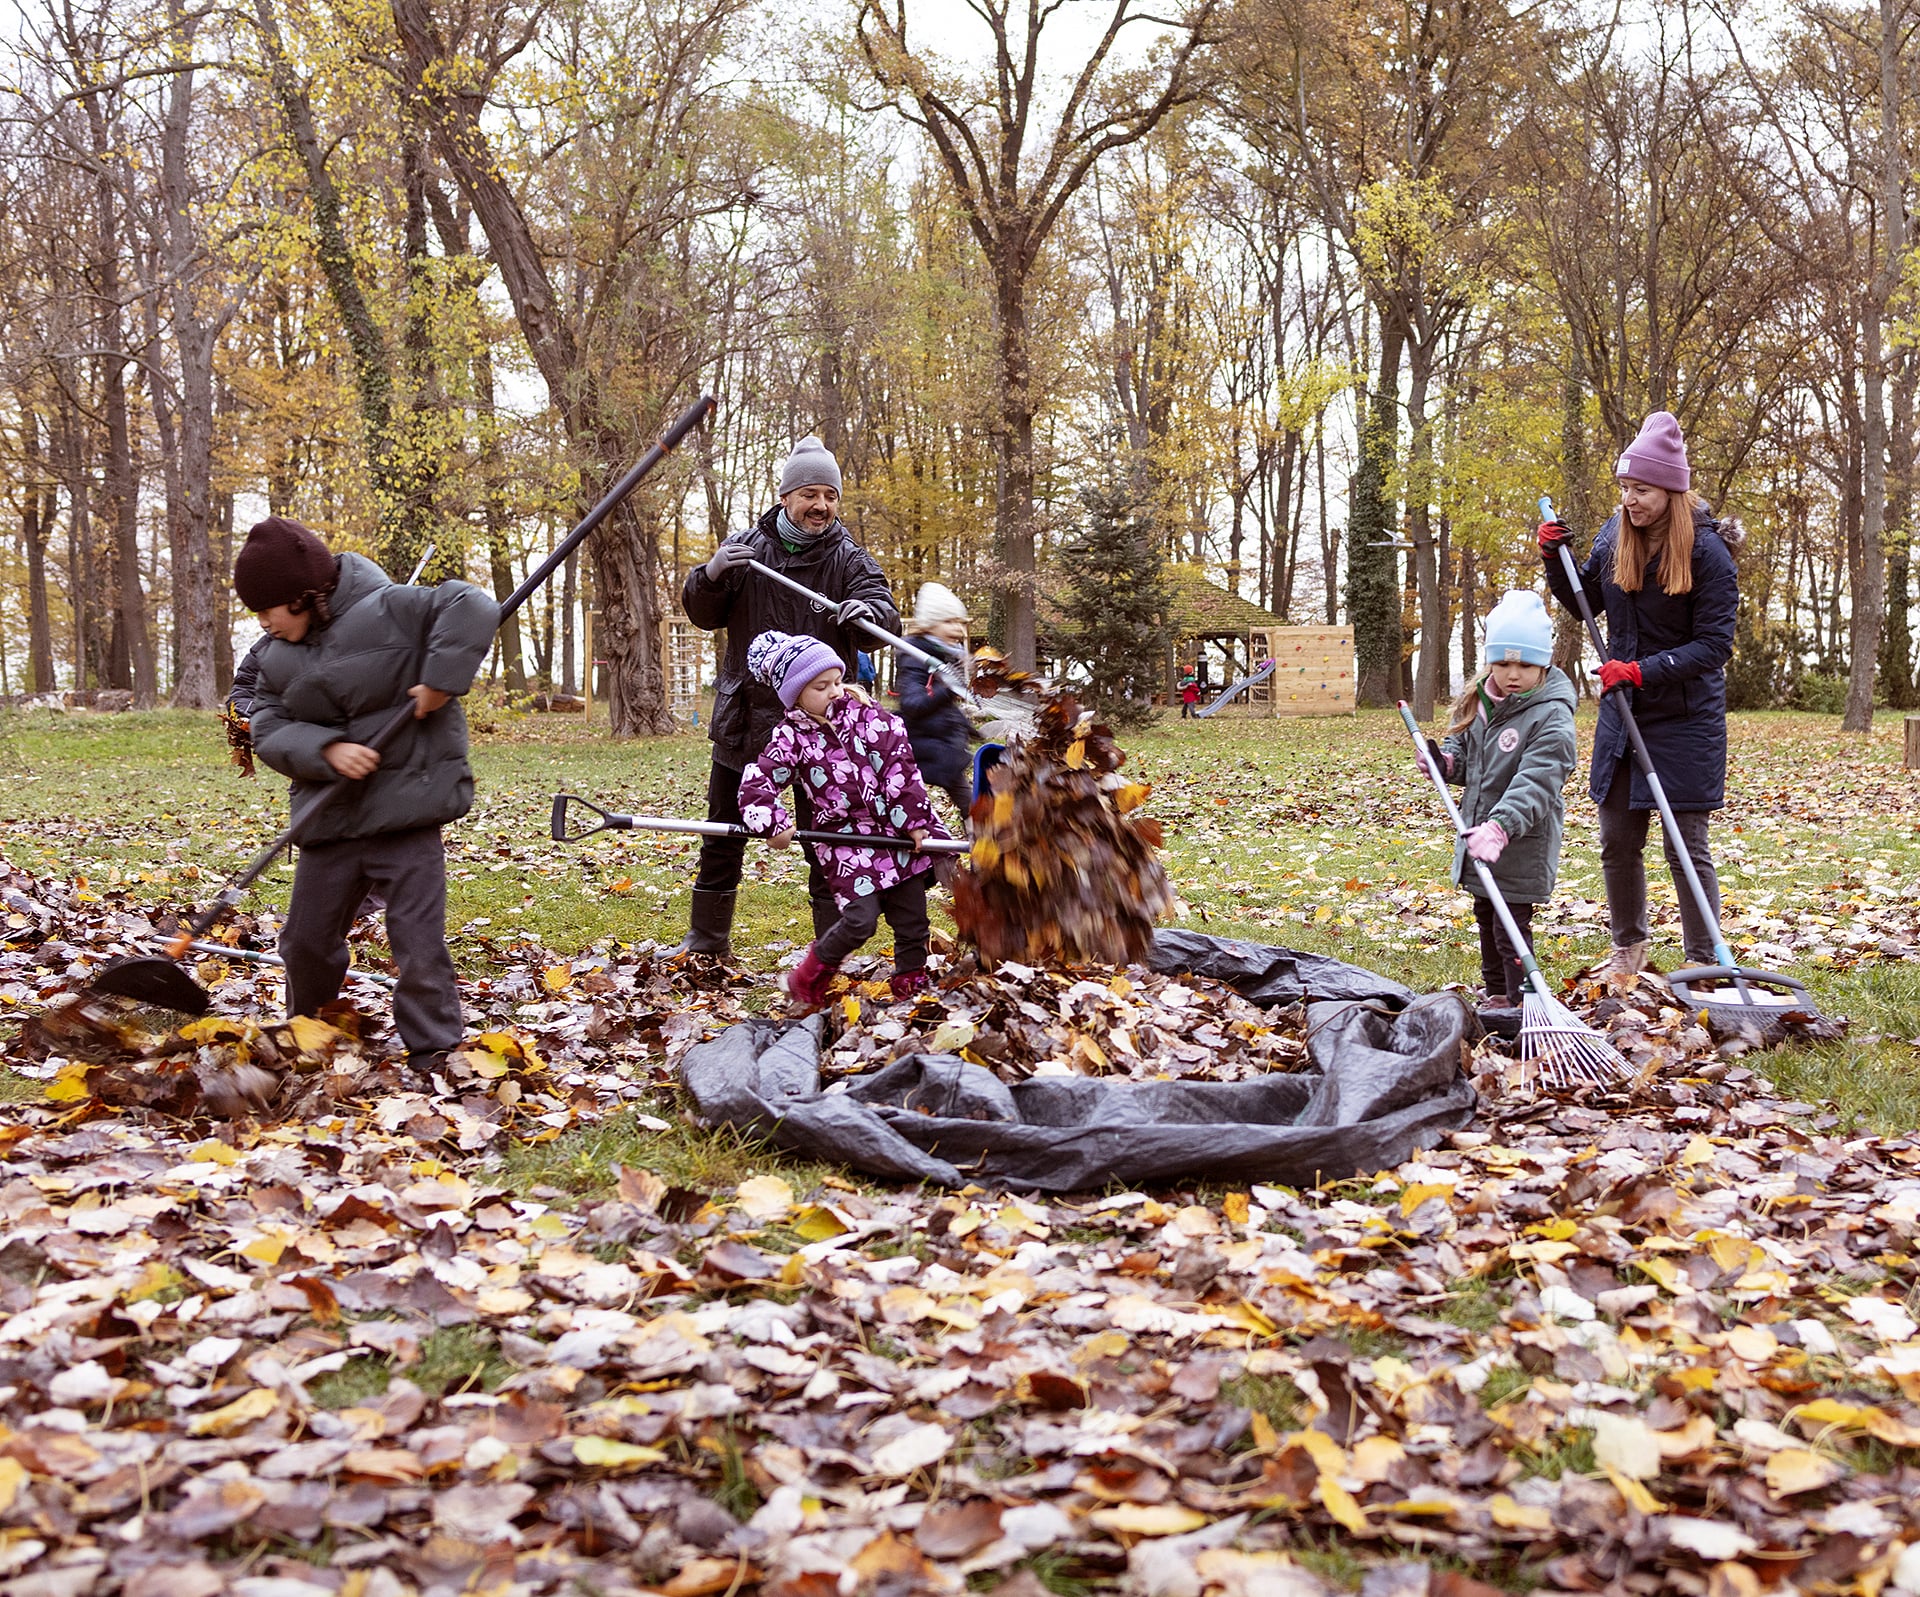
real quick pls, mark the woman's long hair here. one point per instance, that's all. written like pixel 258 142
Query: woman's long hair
pixel 1671 538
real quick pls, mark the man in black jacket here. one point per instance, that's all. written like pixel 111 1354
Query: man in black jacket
pixel 803 537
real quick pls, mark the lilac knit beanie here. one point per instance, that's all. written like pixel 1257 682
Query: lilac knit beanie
pixel 1658 456
pixel 787 663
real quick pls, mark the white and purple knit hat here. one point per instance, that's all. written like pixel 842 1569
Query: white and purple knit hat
pixel 787 663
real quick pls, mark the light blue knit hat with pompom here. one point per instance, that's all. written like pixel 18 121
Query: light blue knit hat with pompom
pixel 1519 628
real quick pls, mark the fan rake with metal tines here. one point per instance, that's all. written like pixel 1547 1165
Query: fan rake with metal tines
pixel 1562 1050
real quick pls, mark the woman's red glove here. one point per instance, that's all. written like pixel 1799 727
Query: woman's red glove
pixel 1552 535
pixel 1619 674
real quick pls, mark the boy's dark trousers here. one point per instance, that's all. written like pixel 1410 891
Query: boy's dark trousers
pixel 329 882
pixel 1500 967
pixel 906 906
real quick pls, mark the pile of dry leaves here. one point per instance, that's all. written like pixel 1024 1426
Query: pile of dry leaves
pixel 1020 1022
pixel 1063 871
pixel 1648 1344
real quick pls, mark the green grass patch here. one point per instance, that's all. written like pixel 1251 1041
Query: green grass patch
pixel 456 1358
pixel 1573 1453
pixel 585 1161
pixel 1475 1306
pixel 1310 833
pixel 1274 1396
pixel 356 1383
pixel 1504 1382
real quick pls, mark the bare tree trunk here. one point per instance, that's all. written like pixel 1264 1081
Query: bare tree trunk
pixel 1430 669
pixel 36 522
pixel 1013 487
pixel 130 651
pixel 455 240
pixel 1869 578
pixel 625 547
pixel 373 377
pixel 1896 647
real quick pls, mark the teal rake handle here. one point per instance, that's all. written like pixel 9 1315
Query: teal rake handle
pixel 1507 921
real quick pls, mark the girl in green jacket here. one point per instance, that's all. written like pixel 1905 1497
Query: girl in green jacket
pixel 1510 744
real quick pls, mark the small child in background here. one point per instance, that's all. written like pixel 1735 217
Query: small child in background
pixel 1510 744
pixel 1189 693
pixel 856 764
pixel 935 720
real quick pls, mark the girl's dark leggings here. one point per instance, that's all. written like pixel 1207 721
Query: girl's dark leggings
pixel 905 904
pixel 1500 967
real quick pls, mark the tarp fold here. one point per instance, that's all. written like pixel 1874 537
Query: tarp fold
pixel 1385 1081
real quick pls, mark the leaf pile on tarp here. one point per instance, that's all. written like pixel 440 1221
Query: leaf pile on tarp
pixel 1020 1022
pixel 1064 870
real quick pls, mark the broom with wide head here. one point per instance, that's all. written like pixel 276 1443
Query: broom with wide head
pixel 1563 1050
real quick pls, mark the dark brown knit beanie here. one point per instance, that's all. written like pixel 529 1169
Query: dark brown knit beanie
pixel 281 563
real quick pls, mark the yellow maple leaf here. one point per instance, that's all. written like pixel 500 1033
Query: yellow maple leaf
pixel 1148 1519
pixel 603 1452
pixel 237 1415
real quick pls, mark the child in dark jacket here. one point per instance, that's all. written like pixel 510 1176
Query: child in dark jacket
pixel 855 764
pixel 349 646
pixel 1510 744
pixel 935 721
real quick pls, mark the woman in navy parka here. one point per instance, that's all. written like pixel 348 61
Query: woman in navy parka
pixel 1667 581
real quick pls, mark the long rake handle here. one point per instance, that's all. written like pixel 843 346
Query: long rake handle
pixel 943 669
pixel 613 822
pixel 232 893
pixel 1721 950
pixel 1527 961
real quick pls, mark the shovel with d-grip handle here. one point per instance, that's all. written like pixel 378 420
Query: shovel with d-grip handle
pixel 1763 999
pixel 162 981
pixel 611 821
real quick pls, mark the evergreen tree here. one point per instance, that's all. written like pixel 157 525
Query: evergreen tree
pixel 1116 601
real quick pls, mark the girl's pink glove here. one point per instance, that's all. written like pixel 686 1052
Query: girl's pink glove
pixel 1433 760
pixel 1486 841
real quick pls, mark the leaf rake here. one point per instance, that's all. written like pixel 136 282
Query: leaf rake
pixel 1562 1049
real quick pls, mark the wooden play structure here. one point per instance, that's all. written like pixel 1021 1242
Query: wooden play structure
pixel 1313 671
pixel 1313 667
pixel 686 655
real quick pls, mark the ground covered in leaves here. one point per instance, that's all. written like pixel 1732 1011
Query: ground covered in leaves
pixel 522 1327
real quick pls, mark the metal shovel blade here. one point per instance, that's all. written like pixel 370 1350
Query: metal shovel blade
pixel 149 979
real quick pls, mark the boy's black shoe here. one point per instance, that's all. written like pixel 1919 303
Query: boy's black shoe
pixel 424 1062
pixel 710 926
pixel 1500 1020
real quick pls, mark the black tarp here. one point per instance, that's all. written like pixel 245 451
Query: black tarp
pixel 1385 1081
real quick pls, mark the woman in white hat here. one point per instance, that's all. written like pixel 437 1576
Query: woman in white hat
pixel 935 720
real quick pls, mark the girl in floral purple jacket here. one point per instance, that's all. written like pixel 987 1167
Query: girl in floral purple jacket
pixel 856 763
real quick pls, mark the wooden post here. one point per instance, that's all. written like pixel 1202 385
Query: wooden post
pixel 586 676
pixel 1911 757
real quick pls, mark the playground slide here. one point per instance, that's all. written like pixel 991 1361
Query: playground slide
pixel 1240 687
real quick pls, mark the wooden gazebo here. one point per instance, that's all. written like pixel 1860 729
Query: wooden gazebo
pixel 1205 613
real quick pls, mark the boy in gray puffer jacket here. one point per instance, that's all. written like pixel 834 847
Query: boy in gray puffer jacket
pixel 1510 744
pixel 349 646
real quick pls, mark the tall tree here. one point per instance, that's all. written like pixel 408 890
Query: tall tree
pixel 648 159
pixel 1014 180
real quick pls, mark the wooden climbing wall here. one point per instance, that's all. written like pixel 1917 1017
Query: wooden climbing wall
pixel 1314 674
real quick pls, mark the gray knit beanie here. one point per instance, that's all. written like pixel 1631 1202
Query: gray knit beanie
pixel 810 464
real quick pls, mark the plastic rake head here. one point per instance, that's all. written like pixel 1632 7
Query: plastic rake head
pixel 1564 1051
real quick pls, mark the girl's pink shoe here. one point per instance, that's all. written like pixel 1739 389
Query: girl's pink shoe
pixel 806 983
pixel 908 983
